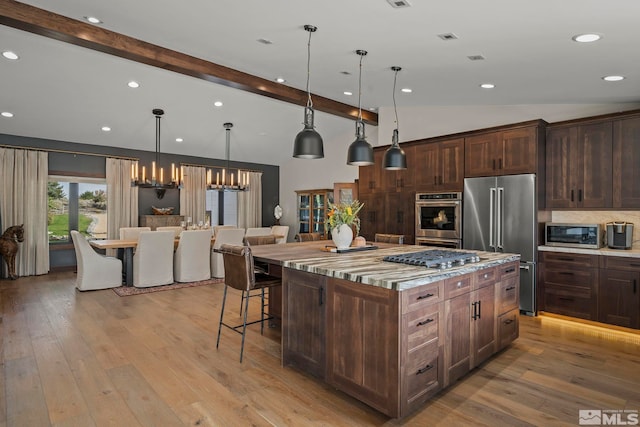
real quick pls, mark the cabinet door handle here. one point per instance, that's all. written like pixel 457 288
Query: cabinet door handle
pixel 510 270
pixel 500 163
pixel 566 273
pixel 572 195
pixel 475 308
pixel 423 370
pixel 424 322
pixel 634 265
pixel 565 299
pixel 321 291
pixel 371 185
pixel 508 321
pixel 510 288
pixel 440 179
pixel 435 180
pixel 479 309
pixel 635 285
pixel 565 259
pixel 579 195
pixel 424 296
pixel 494 164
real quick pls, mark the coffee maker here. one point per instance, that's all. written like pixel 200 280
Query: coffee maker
pixel 619 235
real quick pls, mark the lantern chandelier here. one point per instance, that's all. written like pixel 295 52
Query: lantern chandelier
pixel 225 179
pixel 156 177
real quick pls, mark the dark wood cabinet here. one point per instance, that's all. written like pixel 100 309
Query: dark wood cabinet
pixel 304 305
pixel 619 293
pixel 372 215
pixel 399 215
pixel 440 166
pixel 363 321
pixel 570 284
pixel 370 177
pixel 505 152
pixel 626 163
pixel 579 166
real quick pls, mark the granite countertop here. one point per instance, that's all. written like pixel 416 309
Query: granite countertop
pixel 367 267
pixel 630 253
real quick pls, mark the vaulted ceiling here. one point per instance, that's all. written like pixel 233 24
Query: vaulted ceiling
pixel 71 77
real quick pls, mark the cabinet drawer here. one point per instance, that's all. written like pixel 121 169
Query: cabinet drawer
pixel 579 278
pixel 620 263
pixel 508 294
pixel 422 373
pixel 510 270
pixel 457 286
pixel 508 328
pixel 417 298
pixel 570 301
pixel 567 260
pixel 485 277
pixel 421 326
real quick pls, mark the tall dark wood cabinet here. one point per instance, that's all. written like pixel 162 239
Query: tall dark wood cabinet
pixel 619 294
pixel 626 162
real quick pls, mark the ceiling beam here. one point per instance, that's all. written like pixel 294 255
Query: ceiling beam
pixel 38 21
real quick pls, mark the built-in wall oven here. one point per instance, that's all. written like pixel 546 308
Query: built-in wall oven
pixel 439 219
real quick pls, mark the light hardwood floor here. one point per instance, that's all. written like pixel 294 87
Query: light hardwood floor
pixel 93 358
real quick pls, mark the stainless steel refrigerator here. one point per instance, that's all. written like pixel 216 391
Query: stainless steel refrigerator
pixel 500 215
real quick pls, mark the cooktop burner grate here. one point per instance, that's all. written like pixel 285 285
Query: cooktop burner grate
pixel 434 258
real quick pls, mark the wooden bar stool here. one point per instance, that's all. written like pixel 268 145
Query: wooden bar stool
pixel 240 274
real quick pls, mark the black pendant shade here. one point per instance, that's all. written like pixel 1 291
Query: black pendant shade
pixel 394 157
pixel 360 151
pixel 308 143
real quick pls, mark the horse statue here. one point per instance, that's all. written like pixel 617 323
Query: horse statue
pixel 9 247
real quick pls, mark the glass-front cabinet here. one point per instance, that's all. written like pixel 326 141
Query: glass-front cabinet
pixel 313 206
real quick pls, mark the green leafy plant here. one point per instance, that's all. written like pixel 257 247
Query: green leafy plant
pixel 345 213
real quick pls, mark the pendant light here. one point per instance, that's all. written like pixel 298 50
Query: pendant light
pixel 360 151
pixel 394 157
pixel 157 181
pixel 308 143
pixel 225 179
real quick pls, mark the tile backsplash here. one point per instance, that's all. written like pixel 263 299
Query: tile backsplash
pixel 600 217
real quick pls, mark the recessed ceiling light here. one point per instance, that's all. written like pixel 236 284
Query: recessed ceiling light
pixel 280 80
pixel 218 103
pixel 406 90
pixel 586 38
pixel 346 92
pixel 613 78
pixel 6 114
pixel 93 20
pixel 10 55
pixel 179 139
pixel 106 129
pixel 487 85
pixel 133 84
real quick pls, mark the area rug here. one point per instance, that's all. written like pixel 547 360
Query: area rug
pixel 126 291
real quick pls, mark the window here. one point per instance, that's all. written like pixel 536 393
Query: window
pixel 76 204
pixel 221 208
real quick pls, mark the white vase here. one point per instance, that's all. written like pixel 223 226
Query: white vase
pixel 342 236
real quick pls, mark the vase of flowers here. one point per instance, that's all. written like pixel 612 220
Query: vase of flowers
pixel 343 217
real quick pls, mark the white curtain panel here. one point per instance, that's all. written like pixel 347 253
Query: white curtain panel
pixel 193 193
pixel 23 200
pixel 122 198
pixel 250 203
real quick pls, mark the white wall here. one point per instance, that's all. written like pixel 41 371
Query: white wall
pixel 415 123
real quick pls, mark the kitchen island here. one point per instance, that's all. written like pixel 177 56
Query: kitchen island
pixel 391 335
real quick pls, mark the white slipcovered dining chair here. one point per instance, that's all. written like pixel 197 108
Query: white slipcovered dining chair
pixel 230 236
pixel 95 271
pixel 216 228
pixel 132 233
pixel 153 260
pixel 280 230
pixel 175 228
pixel 191 261
pixel 258 231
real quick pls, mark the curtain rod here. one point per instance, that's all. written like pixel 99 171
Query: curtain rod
pixel 53 150
pixel 220 167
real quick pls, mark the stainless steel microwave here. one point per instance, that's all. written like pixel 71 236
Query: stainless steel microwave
pixel 588 236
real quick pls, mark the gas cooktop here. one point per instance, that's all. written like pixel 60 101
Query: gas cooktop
pixel 434 258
